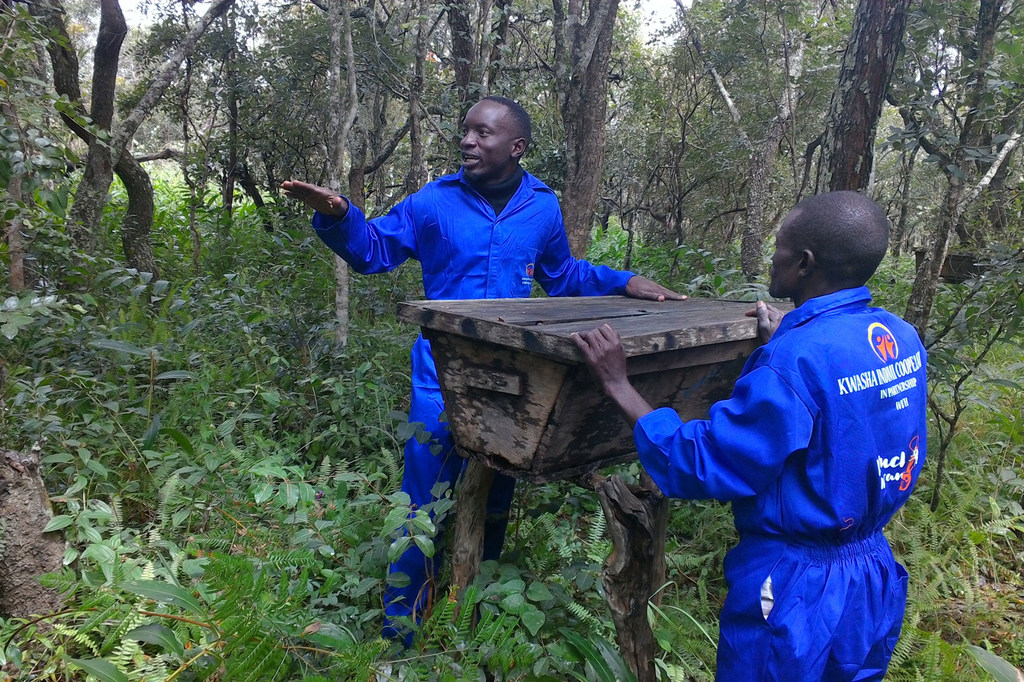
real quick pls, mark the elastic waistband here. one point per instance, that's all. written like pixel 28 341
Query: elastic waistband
pixel 824 553
pixel 847 550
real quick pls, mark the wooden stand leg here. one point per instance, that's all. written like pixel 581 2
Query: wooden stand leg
pixel 635 570
pixel 470 515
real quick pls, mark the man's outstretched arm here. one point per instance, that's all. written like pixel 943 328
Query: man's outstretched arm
pixel 317 198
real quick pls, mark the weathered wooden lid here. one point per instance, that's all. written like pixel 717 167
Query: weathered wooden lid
pixel 543 325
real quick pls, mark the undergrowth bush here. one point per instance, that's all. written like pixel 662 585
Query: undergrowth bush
pixel 228 480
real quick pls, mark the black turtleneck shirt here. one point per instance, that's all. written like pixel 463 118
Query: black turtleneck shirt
pixel 500 194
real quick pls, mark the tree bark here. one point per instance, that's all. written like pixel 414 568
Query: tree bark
pixel 907 161
pixel 868 63
pixel 344 107
pixel 582 51
pixel 462 53
pixel 91 195
pixel 26 551
pixel 231 103
pixel 417 175
pixel 468 540
pixel 15 246
pixel 474 40
pixel 755 229
pixel 635 571
pixel 138 218
pixel 13 230
pixel 922 294
pixel 763 153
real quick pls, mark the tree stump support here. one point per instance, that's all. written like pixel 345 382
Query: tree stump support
pixel 471 513
pixel 635 571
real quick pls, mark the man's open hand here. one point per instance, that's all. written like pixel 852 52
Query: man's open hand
pixel 317 198
pixel 641 287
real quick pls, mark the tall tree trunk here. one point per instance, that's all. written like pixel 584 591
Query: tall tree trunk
pixel 922 294
pixel 868 62
pixel 13 237
pixel 231 97
pixel 762 154
pixel 91 195
pixel 908 160
pixel 417 175
pixel 138 218
pixel 926 281
pixel 344 106
pixel 582 50
pixel 762 160
pixel 14 227
pixel 755 229
pixel 462 52
pixel 474 40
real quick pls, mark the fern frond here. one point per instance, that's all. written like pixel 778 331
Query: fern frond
pixel 596 544
pixel 79 637
pixel 125 654
pixel 324 473
pixel 131 619
pixel 264 662
pixel 585 616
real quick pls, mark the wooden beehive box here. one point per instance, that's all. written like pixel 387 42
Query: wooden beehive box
pixel 518 394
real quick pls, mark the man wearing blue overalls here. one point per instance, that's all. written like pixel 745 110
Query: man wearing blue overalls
pixel 487 231
pixel 820 443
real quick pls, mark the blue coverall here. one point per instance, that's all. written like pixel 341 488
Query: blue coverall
pixel 465 251
pixel 820 443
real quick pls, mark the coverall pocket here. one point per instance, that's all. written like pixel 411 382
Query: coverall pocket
pixel 435 252
pixel 897 607
pixel 769 590
pixel 519 263
pixel 777 588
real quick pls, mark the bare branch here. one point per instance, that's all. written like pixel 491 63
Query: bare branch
pixel 165 154
pixel 164 77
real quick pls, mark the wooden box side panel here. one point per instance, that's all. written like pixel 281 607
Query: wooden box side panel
pixel 587 432
pixel 498 400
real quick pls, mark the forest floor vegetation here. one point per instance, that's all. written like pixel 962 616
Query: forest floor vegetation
pixel 227 479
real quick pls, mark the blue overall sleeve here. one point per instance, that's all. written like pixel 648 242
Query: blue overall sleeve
pixel 738 451
pixel 373 246
pixel 560 274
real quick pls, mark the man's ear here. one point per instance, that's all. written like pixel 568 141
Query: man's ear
pixel 807 263
pixel 518 148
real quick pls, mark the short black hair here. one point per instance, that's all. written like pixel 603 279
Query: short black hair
pixel 847 232
pixel 521 119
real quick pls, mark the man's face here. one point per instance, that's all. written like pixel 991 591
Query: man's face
pixel 490 146
pixel 784 274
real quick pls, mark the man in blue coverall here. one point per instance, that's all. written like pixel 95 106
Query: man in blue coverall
pixel 820 443
pixel 487 231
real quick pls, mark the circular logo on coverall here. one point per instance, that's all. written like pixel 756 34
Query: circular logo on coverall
pixel 883 342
